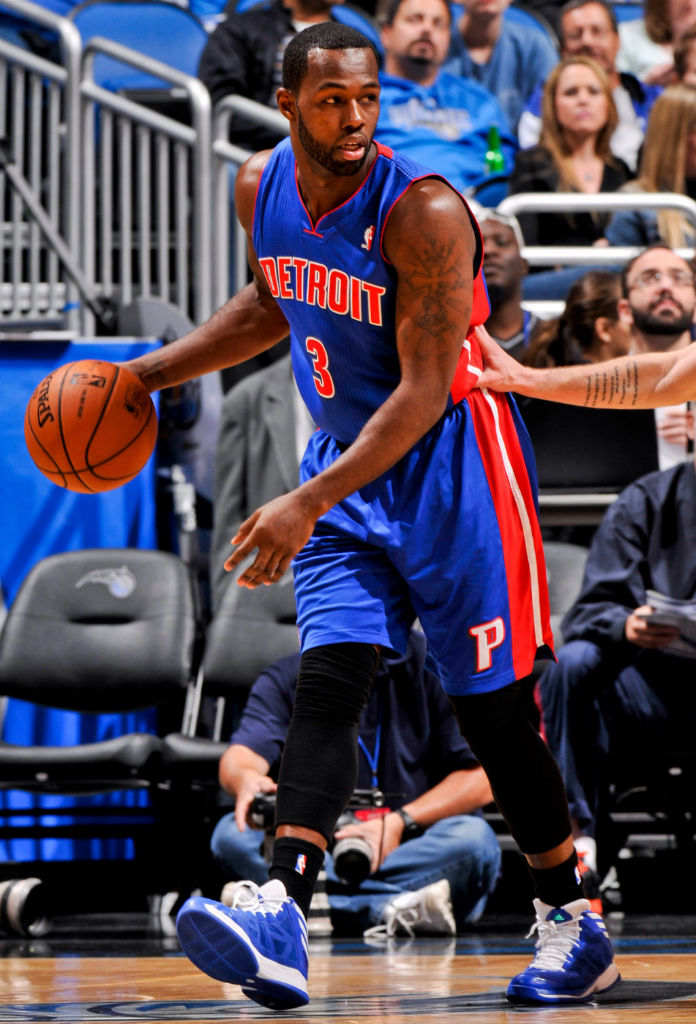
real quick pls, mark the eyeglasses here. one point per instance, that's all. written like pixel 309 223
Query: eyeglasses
pixel 647 278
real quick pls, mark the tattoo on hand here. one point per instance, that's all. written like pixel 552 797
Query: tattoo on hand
pixel 612 387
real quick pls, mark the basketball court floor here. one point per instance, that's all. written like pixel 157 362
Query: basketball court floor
pixel 128 967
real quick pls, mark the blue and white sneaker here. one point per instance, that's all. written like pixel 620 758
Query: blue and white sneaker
pixel 260 943
pixel 574 959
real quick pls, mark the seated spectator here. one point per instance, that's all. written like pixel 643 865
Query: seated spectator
pixel 433 860
pixel 660 301
pixel 507 57
pixel 264 429
pixel 590 328
pixel 614 682
pixel 668 164
pixel 244 54
pixel 647 43
pixel 573 155
pixel 588 28
pixel 510 324
pixel 436 118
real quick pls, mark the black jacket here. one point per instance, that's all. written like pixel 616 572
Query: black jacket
pixel 243 57
pixel 534 171
pixel 646 541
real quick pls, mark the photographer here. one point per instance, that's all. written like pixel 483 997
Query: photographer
pixel 433 859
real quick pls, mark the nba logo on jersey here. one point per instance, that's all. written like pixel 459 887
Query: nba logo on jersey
pixel 369 235
pixel 301 863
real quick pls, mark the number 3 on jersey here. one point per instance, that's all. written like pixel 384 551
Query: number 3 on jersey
pixel 323 381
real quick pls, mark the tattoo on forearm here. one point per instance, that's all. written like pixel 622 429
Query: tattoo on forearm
pixel 612 387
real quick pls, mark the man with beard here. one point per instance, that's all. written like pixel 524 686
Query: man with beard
pixel 589 29
pixel 659 299
pixel 437 118
pixel 416 500
pixel 509 324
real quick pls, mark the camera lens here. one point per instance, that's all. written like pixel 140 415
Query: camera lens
pixel 24 907
pixel 352 857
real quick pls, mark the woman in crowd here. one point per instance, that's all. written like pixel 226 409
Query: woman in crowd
pixel 647 43
pixel 589 330
pixel 668 164
pixel 573 155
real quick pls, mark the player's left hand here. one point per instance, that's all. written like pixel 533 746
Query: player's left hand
pixel 279 529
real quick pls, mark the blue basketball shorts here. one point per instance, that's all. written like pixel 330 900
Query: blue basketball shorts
pixel 449 535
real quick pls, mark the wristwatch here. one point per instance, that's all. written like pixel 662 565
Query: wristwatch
pixel 411 828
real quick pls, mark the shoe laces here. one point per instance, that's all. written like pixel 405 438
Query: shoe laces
pixel 556 940
pixel 405 917
pixel 248 896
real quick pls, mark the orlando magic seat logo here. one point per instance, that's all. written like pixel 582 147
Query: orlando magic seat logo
pixel 119 582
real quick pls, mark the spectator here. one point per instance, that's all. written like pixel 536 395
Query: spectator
pixel 614 681
pixel 589 330
pixel 244 55
pixel 578 121
pixel 668 164
pixel 647 43
pixel 589 29
pixel 659 298
pixel 436 118
pixel 264 429
pixel 412 752
pixel 685 58
pixel 507 57
pixel 510 324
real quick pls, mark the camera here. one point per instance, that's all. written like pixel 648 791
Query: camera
pixel 352 856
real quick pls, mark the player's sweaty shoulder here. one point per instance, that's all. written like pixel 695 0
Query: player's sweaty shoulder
pixel 430 208
pixel 246 186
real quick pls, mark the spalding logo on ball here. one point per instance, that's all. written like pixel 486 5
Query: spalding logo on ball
pixel 90 426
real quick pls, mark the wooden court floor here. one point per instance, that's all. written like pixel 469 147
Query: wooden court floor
pixel 415 981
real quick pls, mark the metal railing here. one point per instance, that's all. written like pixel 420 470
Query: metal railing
pixel 146 208
pixel 229 238
pixel 603 202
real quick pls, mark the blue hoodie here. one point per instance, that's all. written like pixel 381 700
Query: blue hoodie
pixel 443 126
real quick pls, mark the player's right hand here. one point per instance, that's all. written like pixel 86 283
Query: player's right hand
pixel 279 529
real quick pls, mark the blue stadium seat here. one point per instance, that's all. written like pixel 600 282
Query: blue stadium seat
pixel 627 11
pixel 162 31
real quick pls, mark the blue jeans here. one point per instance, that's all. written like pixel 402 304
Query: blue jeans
pixel 463 849
pixel 592 704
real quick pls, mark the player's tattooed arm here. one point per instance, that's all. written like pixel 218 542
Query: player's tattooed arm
pixel 430 242
pixel 611 386
pixel 630 382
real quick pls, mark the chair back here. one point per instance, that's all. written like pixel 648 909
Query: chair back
pixel 101 630
pixel 161 31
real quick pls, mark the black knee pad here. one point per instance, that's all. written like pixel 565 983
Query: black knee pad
pixel 523 774
pixel 319 768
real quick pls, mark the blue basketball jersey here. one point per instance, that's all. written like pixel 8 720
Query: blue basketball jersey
pixel 338 291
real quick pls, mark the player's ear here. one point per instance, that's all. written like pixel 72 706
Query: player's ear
pixel 286 104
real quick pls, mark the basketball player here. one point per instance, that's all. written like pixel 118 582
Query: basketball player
pixel 416 498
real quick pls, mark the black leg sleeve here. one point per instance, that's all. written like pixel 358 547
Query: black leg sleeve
pixel 523 774
pixel 319 768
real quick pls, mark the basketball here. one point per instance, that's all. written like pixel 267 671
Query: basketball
pixel 90 426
